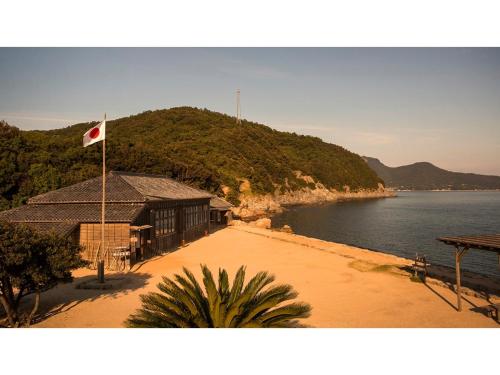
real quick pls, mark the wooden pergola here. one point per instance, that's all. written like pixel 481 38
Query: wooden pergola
pixel 488 242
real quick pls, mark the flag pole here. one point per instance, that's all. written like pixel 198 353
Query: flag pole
pixel 100 266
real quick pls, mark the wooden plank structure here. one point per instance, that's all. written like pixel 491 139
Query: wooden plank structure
pixel 488 242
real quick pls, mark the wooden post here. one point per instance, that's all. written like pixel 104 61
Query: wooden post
pixel 183 225
pixel 100 266
pixel 207 217
pixel 458 258
pixel 457 270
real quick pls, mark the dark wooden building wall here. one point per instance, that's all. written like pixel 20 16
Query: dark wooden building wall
pixel 218 217
pixel 196 220
pixel 173 223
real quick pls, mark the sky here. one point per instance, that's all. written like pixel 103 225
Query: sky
pixel 400 105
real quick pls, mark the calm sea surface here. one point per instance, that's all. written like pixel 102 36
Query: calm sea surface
pixel 405 225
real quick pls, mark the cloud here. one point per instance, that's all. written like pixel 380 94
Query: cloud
pixel 39 121
pixel 18 116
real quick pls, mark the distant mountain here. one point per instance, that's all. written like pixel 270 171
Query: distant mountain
pixel 203 148
pixel 426 176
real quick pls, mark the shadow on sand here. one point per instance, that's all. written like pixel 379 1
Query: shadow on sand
pixel 447 282
pixel 440 296
pixel 66 296
pixel 474 308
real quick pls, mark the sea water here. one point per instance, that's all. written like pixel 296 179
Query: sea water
pixel 405 225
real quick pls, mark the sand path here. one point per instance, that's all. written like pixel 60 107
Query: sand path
pixel 336 281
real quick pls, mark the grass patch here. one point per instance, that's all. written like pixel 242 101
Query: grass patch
pixel 384 268
pixel 363 266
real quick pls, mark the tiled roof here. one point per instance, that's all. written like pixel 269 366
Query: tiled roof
pixel 154 187
pixel 122 187
pixel 217 203
pixel 117 190
pixel 73 212
pixel 126 194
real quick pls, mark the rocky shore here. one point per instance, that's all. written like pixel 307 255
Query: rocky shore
pixel 255 206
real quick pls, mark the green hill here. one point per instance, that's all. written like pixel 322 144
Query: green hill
pixel 200 147
pixel 426 176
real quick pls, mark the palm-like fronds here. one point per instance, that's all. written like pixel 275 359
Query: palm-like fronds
pixel 184 303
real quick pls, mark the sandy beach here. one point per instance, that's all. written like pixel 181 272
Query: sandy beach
pixel 346 286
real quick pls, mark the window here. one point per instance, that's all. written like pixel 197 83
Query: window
pixel 165 221
pixel 189 219
pixel 164 224
pixel 169 220
pixel 172 220
pixel 157 223
pixel 195 215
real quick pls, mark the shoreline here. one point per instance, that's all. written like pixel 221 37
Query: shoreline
pixel 381 231
pixel 473 283
pixel 353 245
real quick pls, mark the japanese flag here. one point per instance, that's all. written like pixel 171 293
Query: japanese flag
pixel 96 134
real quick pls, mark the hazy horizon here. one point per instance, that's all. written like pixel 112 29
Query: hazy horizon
pixel 399 105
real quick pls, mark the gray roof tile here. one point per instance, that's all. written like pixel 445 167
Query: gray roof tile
pixel 122 187
pixel 73 212
pixel 117 190
pixel 154 187
pixel 220 204
pixel 126 194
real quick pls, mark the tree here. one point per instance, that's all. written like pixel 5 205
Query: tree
pixel 183 303
pixel 31 262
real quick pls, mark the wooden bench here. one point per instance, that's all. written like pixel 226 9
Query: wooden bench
pixel 420 265
pixel 492 311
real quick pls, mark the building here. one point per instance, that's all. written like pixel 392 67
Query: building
pixel 146 215
pixel 220 212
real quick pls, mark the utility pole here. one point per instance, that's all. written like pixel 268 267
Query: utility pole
pixel 238 107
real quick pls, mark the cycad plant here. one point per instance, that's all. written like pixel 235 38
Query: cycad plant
pixel 183 303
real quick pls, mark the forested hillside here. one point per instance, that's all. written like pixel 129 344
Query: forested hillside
pixel 200 147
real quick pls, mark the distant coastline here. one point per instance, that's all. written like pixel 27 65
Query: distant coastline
pixel 423 176
pixel 448 190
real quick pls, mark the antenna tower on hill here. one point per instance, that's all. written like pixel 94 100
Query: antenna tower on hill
pixel 238 107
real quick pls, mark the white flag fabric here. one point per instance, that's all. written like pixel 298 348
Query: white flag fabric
pixel 96 134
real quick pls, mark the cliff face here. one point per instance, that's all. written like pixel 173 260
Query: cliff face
pixel 254 205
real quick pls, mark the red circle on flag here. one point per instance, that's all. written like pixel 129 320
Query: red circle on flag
pixel 94 133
